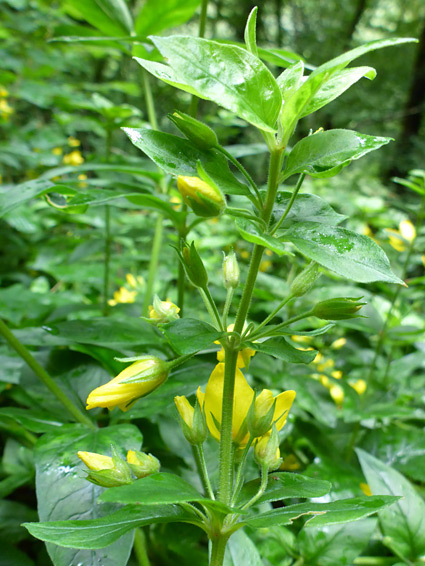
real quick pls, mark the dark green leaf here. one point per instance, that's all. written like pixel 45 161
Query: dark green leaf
pixel 349 254
pixel 189 335
pixel 324 153
pixel 19 194
pixel 281 349
pixel 402 524
pixel 253 233
pixel 306 208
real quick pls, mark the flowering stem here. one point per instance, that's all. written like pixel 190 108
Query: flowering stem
pixel 227 305
pixel 244 172
pixel 42 374
pixel 282 325
pixel 263 487
pixel 290 203
pixel 140 548
pixel 198 453
pixel 274 313
pixel 211 306
pixel 239 475
pixel 153 264
pixel 218 548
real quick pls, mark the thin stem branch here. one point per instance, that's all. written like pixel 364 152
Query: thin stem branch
pixel 201 465
pixel 227 305
pixel 107 259
pixel 150 106
pixel 42 374
pixel 211 307
pixel 239 474
pixel 282 325
pixel 140 548
pixel 290 203
pixel 242 170
pixel 263 487
pixel 274 312
pixel 153 264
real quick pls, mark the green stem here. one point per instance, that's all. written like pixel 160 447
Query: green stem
pixel 181 279
pixel 140 548
pixel 227 306
pixel 107 260
pixel 153 264
pixel 239 475
pixel 42 374
pixel 263 487
pixel 180 361
pixel 211 307
pixel 373 560
pixel 299 562
pixel 282 325
pixel 218 548
pixel 290 203
pixel 150 106
pixel 244 172
pixel 274 313
pixel 193 110
pixel 201 465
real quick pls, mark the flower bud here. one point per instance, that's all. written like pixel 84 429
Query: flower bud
pixel 337 394
pixel 163 311
pixel 106 471
pixel 267 451
pixel 197 132
pixel 261 413
pixel 192 421
pixel 359 386
pixel 338 309
pixel 135 381
pixel 231 271
pixel 193 265
pixel 305 280
pixel 204 199
pixel 142 464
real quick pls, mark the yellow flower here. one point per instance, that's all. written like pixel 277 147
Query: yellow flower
pixel 406 233
pixel 339 343
pixel 74 158
pixel 82 178
pixel 192 421
pixel 244 356
pixel 337 394
pixel 123 296
pixel 290 463
pixel 185 410
pixel 211 402
pixel 407 230
pixel 337 374
pixel 359 386
pixel 96 462
pixel 267 451
pixel 366 489
pixel 3 92
pixel 5 108
pixel 163 311
pixel 423 259
pixel 265 265
pixel 73 142
pixel 245 254
pixel 152 373
pixel 57 151
pixel 131 280
pixel 176 201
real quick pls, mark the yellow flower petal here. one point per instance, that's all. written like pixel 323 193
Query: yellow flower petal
pixel 96 462
pixel 283 404
pixel 407 230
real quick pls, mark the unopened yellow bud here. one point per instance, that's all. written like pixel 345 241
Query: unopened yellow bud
pixel 96 462
pixel 267 451
pixel 142 464
pixel 204 199
pixel 231 272
pixel 192 420
pixel 339 343
pixel 106 471
pixel 359 386
pixel 163 311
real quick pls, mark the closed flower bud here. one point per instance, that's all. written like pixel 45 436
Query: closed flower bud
pixel 197 132
pixel 204 199
pixel 142 464
pixel 267 451
pixel 135 381
pixel 163 311
pixel 338 309
pixel 305 280
pixel 192 421
pixel 106 471
pixel 231 271
pixel 193 265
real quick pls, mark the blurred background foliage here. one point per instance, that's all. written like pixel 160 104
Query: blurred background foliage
pixel 62 104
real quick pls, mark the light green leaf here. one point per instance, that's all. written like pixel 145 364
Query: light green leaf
pixel 306 208
pixel 241 551
pixel 155 17
pixel 250 35
pixel 178 156
pixel 226 74
pixel 253 233
pixel 351 255
pixel 189 335
pixel 331 513
pixel 111 17
pixel 19 194
pixel 281 349
pixel 103 531
pixel 290 80
pixel 285 485
pixel 403 524
pixel 324 153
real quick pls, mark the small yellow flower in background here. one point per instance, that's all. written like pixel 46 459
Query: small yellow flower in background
pixel 290 463
pixel 302 339
pixel 265 265
pixel 359 386
pixel 318 359
pixel 131 280
pixel 337 394
pixel 82 178
pixel 96 462
pixel 337 374
pixel 244 356
pixel 3 92
pixel 326 364
pixel 407 230
pixel 163 311
pixel 268 252
pixel 325 381
pixel 5 109
pixel 152 373
pixel 73 142
pixel 423 259
pixel 211 403
pixel 57 151
pixel 366 489
pixel 406 233
pixel 123 296
pixel 74 158
pixel 176 202
pixel 245 254
pixel 339 343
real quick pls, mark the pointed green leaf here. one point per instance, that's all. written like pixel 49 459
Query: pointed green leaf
pixel 250 32
pixel 111 17
pixel 351 255
pixel 241 551
pixel 324 153
pixel 402 524
pixel 281 349
pixel 290 80
pixel 251 232
pixel 155 17
pixel 226 74
pixel 306 208
pixel 190 335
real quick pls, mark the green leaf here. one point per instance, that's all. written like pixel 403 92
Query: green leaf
pixel 306 208
pixel 402 525
pixel 155 17
pixel 331 513
pixel 19 194
pixel 154 202
pixel 33 420
pixel 178 156
pixel 281 349
pixel 190 335
pixel 290 80
pixel 225 74
pixel 324 153
pixel 250 35
pixel 63 492
pixel 337 85
pixel 111 17
pixel 241 551
pixel 104 531
pixel 251 232
pixel 351 255
pixel 335 544
pixel 285 485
